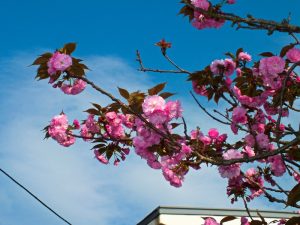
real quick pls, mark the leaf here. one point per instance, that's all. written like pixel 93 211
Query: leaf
pixel 93 111
pixel 227 219
pixel 293 221
pixel 40 60
pixel 238 52
pixel 156 89
pixel 267 54
pixel 98 146
pixel 97 106
pixel 294 195
pixel 174 125
pixel 229 54
pixel 285 49
pixel 294 153
pixel 69 48
pixel 256 222
pixel 166 95
pixel 187 11
pixel 124 93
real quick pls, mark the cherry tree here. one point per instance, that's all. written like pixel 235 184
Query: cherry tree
pixel 257 94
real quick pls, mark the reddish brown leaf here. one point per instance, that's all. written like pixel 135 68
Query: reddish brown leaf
pixel 227 219
pixel 294 195
pixel 124 93
pixel 156 89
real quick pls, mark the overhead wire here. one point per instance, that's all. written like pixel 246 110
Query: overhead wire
pixel 34 196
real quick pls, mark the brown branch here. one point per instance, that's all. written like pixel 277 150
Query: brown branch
pixel 283 91
pixel 120 103
pixel 144 69
pixel 262 155
pixel 174 64
pixel 247 209
pixel 185 129
pixel 207 113
pixel 249 22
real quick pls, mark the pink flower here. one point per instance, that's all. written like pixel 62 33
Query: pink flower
pixel 244 221
pixel 201 22
pixel 232 154
pixel 238 72
pixel 296 176
pixel 210 221
pixel 128 120
pixel 153 103
pixel 58 62
pixel 199 89
pixel 173 109
pixel 244 56
pixel 271 66
pixel 262 140
pixel 230 1
pixel 101 158
pixel 222 138
pixel 217 66
pixel 58 130
pixel 77 87
pixel 249 139
pixel 203 4
pixel 76 124
pixel 239 115
pixel 249 151
pixel 205 140
pixel 196 134
pixel 226 66
pixel 213 133
pixel 293 55
pixel 229 67
pixel 85 133
pixel 277 165
pixel 91 124
pixel 256 182
pixel 233 170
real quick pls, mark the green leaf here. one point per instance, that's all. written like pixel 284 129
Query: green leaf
pixel 69 48
pixel 156 89
pixel 294 195
pixel 293 221
pixel 227 219
pixel 124 93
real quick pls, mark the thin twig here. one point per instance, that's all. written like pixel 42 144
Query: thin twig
pixel 144 69
pixel 203 108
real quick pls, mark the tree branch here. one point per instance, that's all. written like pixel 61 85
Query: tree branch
pixel 249 22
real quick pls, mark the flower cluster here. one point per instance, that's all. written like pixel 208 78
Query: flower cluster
pixel 59 130
pixel 159 112
pixel 202 21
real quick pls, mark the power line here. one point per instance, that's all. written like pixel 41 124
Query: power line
pixel 34 196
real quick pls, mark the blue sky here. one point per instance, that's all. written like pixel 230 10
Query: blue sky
pixel 107 33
